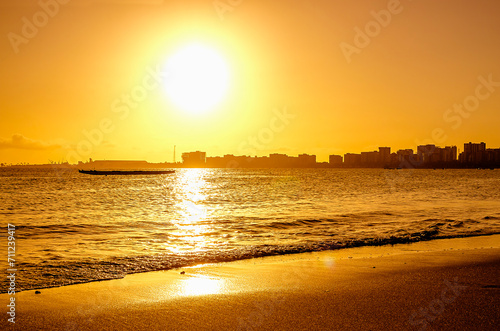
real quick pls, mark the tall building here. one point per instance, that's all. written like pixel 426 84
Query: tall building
pixel 306 160
pixel 427 153
pixel 384 155
pixel 405 155
pixel 449 154
pixel 352 160
pixel 279 160
pixel 335 160
pixel 434 154
pixel 473 153
pixel 370 159
pixel 493 156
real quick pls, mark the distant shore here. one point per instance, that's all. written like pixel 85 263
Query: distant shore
pixel 323 165
pixel 439 284
pixel 475 155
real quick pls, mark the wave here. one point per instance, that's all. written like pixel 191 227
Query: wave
pixel 53 273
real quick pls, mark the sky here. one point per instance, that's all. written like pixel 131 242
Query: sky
pixel 89 79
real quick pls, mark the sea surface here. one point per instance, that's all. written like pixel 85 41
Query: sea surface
pixel 73 228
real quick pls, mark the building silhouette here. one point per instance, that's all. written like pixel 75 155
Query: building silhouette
pixel 352 160
pixel 431 154
pixel 473 153
pixel 335 160
pixel 427 156
pixel 406 155
pixel 306 161
pixel 384 155
pixel 194 159
pixel 477 155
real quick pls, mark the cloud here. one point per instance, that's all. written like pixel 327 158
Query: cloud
pixel 19 141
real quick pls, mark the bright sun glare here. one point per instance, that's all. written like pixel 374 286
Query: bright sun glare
pixel 198 78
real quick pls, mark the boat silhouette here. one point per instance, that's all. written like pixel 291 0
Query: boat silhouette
pixel 126 172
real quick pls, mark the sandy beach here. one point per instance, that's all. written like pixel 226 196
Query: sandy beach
pixel 440 284
pixel 250 165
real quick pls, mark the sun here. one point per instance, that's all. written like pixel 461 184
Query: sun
pixel 197 78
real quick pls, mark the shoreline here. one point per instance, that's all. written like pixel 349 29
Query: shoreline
pixel 392 244
pixel 440 283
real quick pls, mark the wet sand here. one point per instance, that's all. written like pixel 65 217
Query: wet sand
pixel 441 284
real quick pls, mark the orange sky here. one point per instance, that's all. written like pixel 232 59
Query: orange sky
pixel 340 91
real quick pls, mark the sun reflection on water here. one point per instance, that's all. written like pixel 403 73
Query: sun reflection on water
pixel 191 225
pixel 200 286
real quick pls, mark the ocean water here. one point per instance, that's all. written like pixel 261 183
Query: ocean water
pixel 73 228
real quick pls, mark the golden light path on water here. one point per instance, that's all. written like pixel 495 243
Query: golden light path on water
pixel 189 187
pixel 192 225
